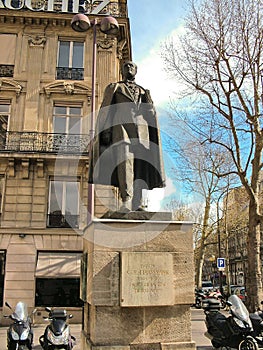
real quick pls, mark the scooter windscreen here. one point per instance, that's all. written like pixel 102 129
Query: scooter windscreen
pixel 58 326
pixel 239 309
pixel 21 313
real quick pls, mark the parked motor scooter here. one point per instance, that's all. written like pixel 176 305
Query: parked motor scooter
pixel 234 331
pixel 19 333
pixel 200 295
pixel 216 294
pixel 257 322
pixel 57 333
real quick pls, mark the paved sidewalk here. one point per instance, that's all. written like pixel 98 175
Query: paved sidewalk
pixel 198 329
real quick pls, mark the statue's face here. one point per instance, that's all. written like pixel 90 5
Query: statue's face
pixel 129 70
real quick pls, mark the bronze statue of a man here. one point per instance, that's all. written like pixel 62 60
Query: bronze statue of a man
pixel 127 148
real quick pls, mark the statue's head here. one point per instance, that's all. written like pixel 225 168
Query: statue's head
pixel 129 70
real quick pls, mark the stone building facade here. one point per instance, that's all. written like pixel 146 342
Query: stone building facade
pixel 45 109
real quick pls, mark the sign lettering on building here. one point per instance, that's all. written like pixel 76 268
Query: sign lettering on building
pixel 93 7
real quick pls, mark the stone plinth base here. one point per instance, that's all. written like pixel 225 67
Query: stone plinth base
pixel 151 346
pixel 140 285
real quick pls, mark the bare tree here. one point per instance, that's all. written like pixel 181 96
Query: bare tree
pixel 197 166
pixel 219 58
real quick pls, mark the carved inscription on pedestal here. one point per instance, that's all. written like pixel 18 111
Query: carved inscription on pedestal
pixel 146 279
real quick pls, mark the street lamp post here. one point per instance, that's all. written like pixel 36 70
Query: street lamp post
pixel 108 25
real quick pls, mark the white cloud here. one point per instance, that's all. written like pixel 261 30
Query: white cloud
pixel 151 73
pixel 154 197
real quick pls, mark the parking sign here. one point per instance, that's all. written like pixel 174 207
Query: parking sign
pixel 221 263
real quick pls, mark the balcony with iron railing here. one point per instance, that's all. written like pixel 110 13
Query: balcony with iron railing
pixel 58 220
pixel 14 141
pixel 6 70
pixel 66 73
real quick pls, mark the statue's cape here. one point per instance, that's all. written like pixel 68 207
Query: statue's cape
pixel 102 169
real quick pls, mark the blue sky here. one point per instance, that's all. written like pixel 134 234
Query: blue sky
pixel 152 22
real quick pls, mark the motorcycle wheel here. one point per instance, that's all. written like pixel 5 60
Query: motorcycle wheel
pixel 248 344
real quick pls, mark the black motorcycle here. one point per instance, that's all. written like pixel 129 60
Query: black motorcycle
pixel 57 333
pixel 19 333
pixel 235 331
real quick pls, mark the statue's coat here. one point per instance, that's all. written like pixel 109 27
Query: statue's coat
pixel 116 119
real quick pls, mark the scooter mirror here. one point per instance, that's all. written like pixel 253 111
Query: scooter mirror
pixel 8 305
pixel 70 316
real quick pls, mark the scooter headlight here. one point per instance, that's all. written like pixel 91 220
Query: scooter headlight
pixel 61 339
pixel 24 334
pixel 239 323
pixel 14 335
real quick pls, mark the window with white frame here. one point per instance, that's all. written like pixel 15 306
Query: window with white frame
pixel 67 119
pixel 67 127
pixel 63 208
pixel 70 60
pixel 4 120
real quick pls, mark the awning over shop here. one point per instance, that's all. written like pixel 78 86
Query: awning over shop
pixel 58 265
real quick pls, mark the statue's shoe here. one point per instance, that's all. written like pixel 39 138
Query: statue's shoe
pixel 140 209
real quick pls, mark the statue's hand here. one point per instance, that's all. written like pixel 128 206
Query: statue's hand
pixel 105 138
pixel 148 98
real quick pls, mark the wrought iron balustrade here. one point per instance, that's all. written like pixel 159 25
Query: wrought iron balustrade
pixel 70 73
pixel 6 70
pixel 62 221
pixel 14 141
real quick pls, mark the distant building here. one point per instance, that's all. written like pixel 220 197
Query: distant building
pixel 235 228
pixel 45 106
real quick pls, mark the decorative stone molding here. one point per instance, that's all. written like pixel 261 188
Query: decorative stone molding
pixel 105 43
pixel 68 88
pixel 120 47
pixel 10 85
pixel 25 168
pixel 11 167
pixel 40 168
pixel 37 41
pixel 86 170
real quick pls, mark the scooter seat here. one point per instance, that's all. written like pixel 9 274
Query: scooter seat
pixel 58 313
pixel 211 304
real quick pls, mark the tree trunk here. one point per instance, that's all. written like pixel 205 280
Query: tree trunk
pixel 254 279
pixel 204 236
pixel 200 264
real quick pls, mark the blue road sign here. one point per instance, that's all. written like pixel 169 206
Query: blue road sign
pixel 220 262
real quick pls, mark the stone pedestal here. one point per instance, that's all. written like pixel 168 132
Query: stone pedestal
pixel 140 285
